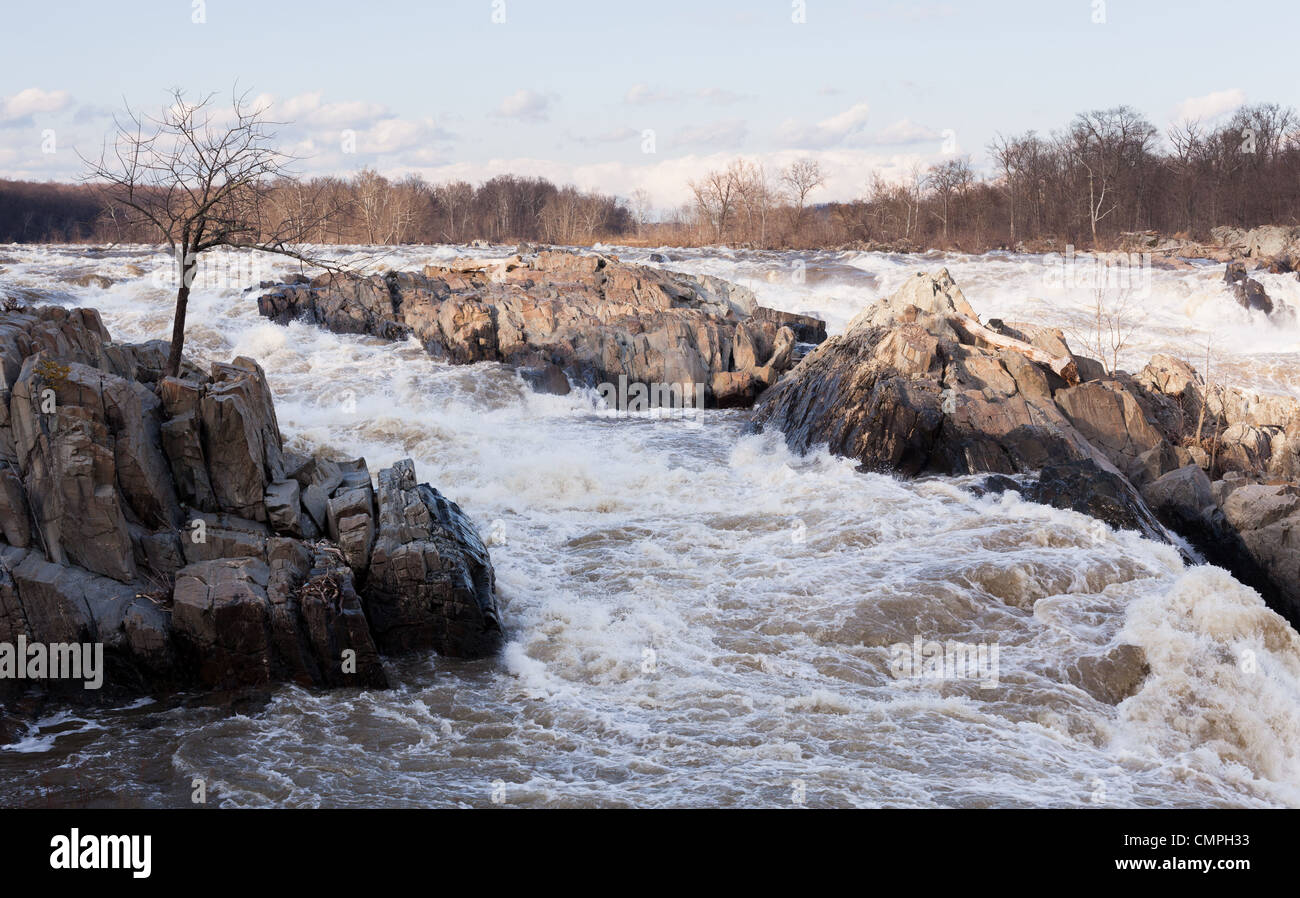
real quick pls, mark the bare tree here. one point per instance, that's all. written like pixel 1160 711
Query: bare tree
pixel 949 180
pixel 201 180
pixel 801 178
pixel 1115 318
pixel 1109 145
pixel 715 197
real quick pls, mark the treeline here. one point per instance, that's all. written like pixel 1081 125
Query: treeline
pixel 1105 174
pixel 364 208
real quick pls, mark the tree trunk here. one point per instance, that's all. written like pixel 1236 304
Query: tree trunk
pixel 1062 365
pixel 178 320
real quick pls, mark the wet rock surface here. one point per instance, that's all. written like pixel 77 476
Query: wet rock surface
pixel 589 318
pixel 910 388
pixel 163 517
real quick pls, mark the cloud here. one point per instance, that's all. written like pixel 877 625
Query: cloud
pixel 308 110
pixel 1209 107
pixel 829 131
pixel 728 133
pixel 33 101
pixel 904 131
pixel 526 105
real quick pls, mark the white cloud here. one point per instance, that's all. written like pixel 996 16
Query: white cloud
pixel 1209 107
pixel 829 131
pixel 526 105
pixel 308 110
pixel 33 101
pixel 904 131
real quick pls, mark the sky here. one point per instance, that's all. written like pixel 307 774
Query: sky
pixel 626 96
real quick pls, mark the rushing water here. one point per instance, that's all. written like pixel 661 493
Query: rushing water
pixel 698 617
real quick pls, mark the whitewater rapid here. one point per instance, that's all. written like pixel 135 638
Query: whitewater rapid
pixel 698 617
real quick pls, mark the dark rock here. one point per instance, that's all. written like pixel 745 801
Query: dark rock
pixel 1248 291
pixel 430 580
pixel 161 517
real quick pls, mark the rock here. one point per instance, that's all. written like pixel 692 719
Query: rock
pixel 1267 519
pixel 1112 676
pixel 901 390
pixel 162 517
pixel 547 379
pixel 211 536
pixel 15 519
pixel 1085 487
pixel 241 438
pixel 284 507
pixel 1249 292
pixel 92 280
pixel 221 613
pixel 316 503
pixel 1111 419
pixel 589 318
pixel 64 442
pixel 430 579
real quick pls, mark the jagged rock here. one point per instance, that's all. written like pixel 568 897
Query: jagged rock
pixel 1111 419
pixel 241 438
pixel 430 580
pixel 592 317
pixel 902 390
pixel 1267 519
pixel 220 611
pixel 207 536
pixel 162 517
pixel 284 507
pixel 1249 292
pixel 15 519
pixel 335 623
pixel 1085 487
pixel 1111 676
pixel 805 329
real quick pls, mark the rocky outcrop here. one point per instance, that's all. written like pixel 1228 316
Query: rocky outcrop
pixel 163 517
pixel 591 317
pixel 910 387
pixel 1249 292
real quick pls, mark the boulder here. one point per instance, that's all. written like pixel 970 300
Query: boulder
pixel 1248 292
pixel 564 316
pixel 430 580
pixel 284 507
pixel 223 618
pixel 162 517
